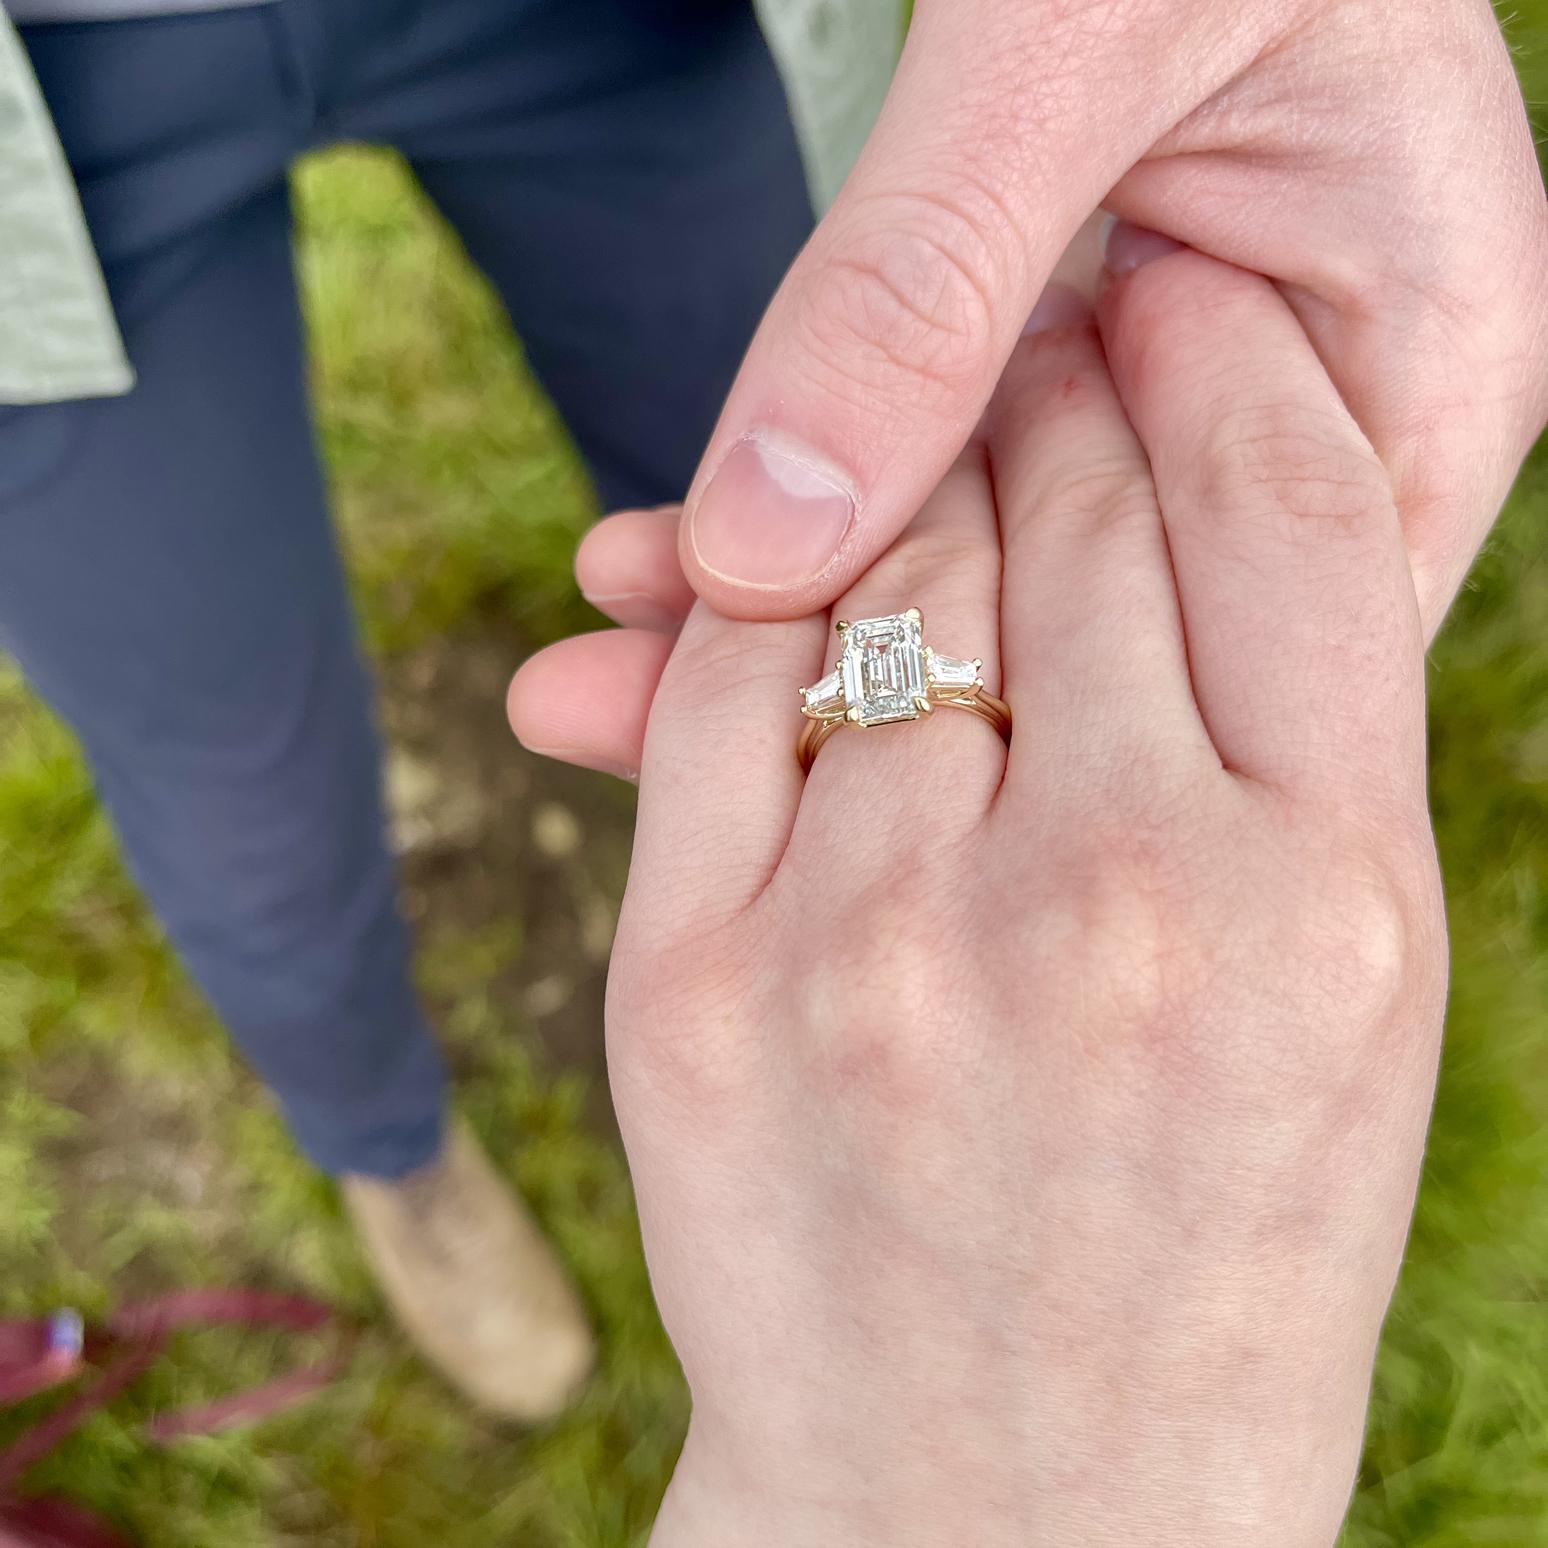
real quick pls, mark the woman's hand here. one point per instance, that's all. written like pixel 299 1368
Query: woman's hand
pixel 1025 1141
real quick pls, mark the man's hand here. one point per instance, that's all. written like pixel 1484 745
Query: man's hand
pixel 1025 1143
pixel 1372 158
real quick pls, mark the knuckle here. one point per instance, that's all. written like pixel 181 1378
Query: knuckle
pixel 1356 955
pixel 1295 464
pixel 926 555
pixel 1377 941
pixel 1096 494
pixel 666 1002
pixel 1334 1049
pixel 1118 942
pixel 915 291
pixel 1140 954
pixel 894 1030
pixel 1365 981
pixel 706 659
pixel 886 1056
pixel 937 563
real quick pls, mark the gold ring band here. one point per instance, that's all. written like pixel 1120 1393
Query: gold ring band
pixel 983 704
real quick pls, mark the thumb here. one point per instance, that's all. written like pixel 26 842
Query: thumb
pixel 1004 127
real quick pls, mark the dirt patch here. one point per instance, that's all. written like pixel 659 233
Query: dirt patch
pixel 492 837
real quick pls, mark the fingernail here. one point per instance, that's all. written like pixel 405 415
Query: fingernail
pixel 1059 306
pixel 586 760
pixel 634 610
pixel 1126 247
pixel 773 514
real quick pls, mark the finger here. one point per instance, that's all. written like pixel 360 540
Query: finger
pixel 877 356
pixel 627 567
pixel 1095 665
pixel 587 700
pixel 1409 239
pixel 947 566
pixel 1302 625
pixel 719 781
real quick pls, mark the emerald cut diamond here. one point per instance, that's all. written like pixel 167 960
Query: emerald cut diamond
pixel 883 668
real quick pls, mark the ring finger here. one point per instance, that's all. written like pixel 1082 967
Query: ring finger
pixel 946 565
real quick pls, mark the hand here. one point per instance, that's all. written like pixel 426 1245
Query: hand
pixel 1025 1143
pixel 1375 161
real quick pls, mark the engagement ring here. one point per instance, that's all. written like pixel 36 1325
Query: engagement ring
pixel 887 673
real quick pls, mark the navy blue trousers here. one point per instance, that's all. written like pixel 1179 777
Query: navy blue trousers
pixel 625 173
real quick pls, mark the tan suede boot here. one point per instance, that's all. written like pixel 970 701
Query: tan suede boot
pixel 474 1282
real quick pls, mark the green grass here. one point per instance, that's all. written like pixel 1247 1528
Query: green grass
pixel 135 1153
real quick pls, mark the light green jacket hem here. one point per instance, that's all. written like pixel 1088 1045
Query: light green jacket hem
pixel 836 58
pixel 58 338
pixel 57 334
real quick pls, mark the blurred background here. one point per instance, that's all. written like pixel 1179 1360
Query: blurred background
pixel 136 1155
